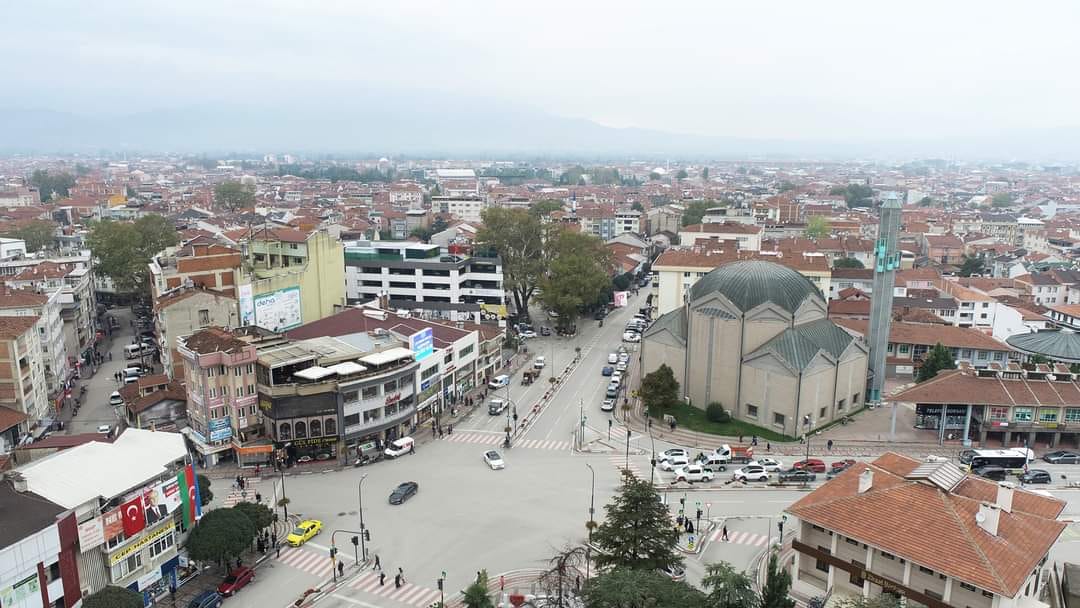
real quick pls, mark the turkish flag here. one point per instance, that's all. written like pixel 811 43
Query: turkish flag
pixel 134 518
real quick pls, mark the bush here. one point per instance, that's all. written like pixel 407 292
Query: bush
pixel 716 413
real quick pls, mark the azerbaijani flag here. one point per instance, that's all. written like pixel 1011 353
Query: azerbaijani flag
pixel 189 495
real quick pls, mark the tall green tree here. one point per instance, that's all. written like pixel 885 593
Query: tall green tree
pixel 973 265
pixel 682 174
pixel 38 234
pixel 50 185
pixel 695 211
pixel 637 532
pixel 122 250
pixel 847 263
pixel 1001 199
pixel 578 273
pixel 817 227
pixel 221 535
pixel 859 195
pixel 260 515
pixel 517 236
pixel 729 588
pixel 624 588
pixel 113 596
pixel 659 388
pixel 638 207
pixel 234 196
pixel 476 594
pixel 545 208
pixel 205 494
pixel 938 358
pixel 774 593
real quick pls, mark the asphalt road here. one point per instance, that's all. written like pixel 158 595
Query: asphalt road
pixel 95 409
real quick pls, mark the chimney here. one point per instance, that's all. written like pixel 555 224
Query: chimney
pixel 987 517
pixel 18 482
pixel 1005 496
pixel 866 481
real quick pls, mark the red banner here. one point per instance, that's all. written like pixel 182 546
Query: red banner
pixel 114 524
pixel 134 517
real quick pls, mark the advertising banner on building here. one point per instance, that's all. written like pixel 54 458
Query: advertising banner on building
pixel 28 588
pixel 422 343
pixel 492 312
pixel 620 299
pixel 247 304
pixel 113 522
pixel 220 429
pixel 92 534
pixel 279 310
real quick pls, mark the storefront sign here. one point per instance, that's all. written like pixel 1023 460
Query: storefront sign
pixel 393 398
pixel 113 522
pixel 265 404
pixel 314 441
pixel 140 544
pixel 220 429
pixel 26 588
pixel 422 343
pixel 91 534
pixel 999 423
pixel 147 580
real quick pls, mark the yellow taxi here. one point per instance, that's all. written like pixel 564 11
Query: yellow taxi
pixel 304 532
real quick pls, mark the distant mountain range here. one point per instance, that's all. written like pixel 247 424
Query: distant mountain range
pixel 429 127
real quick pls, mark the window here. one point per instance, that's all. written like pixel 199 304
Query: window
pixel 751 410
pixel 351 396
pixel 905 349
pixel 352 419
pixel 822 565
pixel 855 399
pixel 1022 414
pixel 821 413
pixel 251 389
pixel 204 317
pixel 213 392
pixel 127 566
pixel 239 391
pixel 778 419
pixel 330 426
pixel 933 594
pixel 983 355
pixel 238 371
pixel 162 544
pixel 1072 414
pixel 1000 413
pixel 888 555
pixel 686 275
pixel 465 351
pixel 429 372
pixel 285 431
pixel 840 405
pixel 301 430
pixel 251 368
pixel 390 386
pixel 369 392
pixel 965 353
pixel 316 428
pixel 209 372
pixel 971 588
pixel 851 541
pixel 925 570
pixel 1048 414
pixel 999 356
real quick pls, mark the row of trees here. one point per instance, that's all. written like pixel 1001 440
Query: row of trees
pixel 51 185
pixel 571 270
pixel 38 234
pixel 123 249
pixel 855 195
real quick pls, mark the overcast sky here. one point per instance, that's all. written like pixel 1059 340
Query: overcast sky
pixel 778 69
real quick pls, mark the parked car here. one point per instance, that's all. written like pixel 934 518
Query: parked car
pixel 751 472
pixel 499 381
pixel 494 460
pixel 303 532
pixel 771 465
pixel 1036 476
pixel 842 464
pixel 1062 457
pixel 608 370
pixel 677 573
pixel 992 473
pixel 812 464
pixel 527 334
pixel 236 580
pixel 608 405
pixel 496 407
pixel 404 492
pixel 630 336
pixel 612 390
pixel 545 330
pixel 624 357
pixel 800 475
pixel 671 453
pixel 621 366
pixel 399 447
pixel 613 358
pixel 616 379
pixel 206 599
pixel 693 472
pixel 115 398
pixel 104 429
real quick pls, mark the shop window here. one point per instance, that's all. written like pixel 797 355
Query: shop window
pixel 330 426
pixel 370 392
pixel 1072 414
pixel 285 431
pixel 301 430
pixel 1048 414
pixel 316 428
pixel 1022 414
pixel 1000 413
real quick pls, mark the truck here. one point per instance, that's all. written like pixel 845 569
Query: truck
pixel 735 453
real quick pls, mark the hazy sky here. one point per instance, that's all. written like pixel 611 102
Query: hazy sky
pixel 757 69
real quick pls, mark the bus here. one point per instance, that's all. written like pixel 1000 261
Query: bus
pixel 1010 460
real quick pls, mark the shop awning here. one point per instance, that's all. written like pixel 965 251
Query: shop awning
pixel 314 373
pixel 387 356
pixel 255 449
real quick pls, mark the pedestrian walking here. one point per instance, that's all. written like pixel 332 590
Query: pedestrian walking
pixel 768 446
pixel 412 448
pixel 401 573
pixel 740 438
pixel 433 431
pixel 449 429
pixel 378 565
pixel 340 568
pixel 397 581
pixel 828 445
pixel 278 548
pixel 723 533
pixel 382 579
pixel 672 423
pixel 110 355
pixel 258 497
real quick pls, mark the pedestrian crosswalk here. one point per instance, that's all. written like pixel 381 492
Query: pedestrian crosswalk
pixel 496 439
pixel 741 538
pixel 411 594
pixel 318 564
pixel 619 462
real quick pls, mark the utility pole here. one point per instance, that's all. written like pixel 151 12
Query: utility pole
pixel 360 500
pixel 592 499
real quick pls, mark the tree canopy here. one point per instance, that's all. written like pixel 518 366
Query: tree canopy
pixel 659 388
pixel 38 234
pixel 234 196
pixel 847 263
pixel 637 532
pixel 578 273
pixel 817 227
pixel 774 594
pixel 626 588
pixel 972 265
pixel 221 534
pixel 938 358
pixel 682 174
pixel 123 249
pixel 545 208
pixel 476 594
pixel 518 237
pixel 1001 199
pixel 729 588
pixel 695 211
pixel 260 515
pixel 51 185
pixel 112 596
pixel 855 195
pixel 205 495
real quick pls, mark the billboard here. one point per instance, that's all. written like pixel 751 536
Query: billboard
pixel 247 304
pixel 492 312
pixel 422 343
pixel 220 428
pixel 114 523
pixel 278 310
pixel 91 534
pixel 620 299
pixel 161 500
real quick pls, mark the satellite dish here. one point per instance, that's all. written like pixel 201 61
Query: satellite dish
pixel 980 518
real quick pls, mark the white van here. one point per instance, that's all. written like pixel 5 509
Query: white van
pixel 399 447
pixel 539 362
pixel 134 351
pixel 134 370
pixel 499 381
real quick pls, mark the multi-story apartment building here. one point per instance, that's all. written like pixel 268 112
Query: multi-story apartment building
pixel 184 311
pixel 627 220
pixel 46 307
pixel 465 207
pixel 415 274
pixel 38 550
pixel 223 414
pixel 141 471
pixel 11 249
pixel 747 236
pixel 961 542
pixel 22 374
pixel 200 262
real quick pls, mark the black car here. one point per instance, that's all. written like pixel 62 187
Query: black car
pixel 404 492
pixel 1062 457
pixel 1035 476
pixel 797 475
pixel 992 473
pixel 545 330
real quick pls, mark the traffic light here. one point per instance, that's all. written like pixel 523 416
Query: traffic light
pixel 333 552
pixel 699 513
pixel 440 584
pixel 682 501
pixel 355 540
pixel 367 535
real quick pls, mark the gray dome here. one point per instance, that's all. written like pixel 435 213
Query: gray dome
pixel 752 283
pixel 1055 344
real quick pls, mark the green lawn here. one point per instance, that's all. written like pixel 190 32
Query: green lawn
pixel 690 417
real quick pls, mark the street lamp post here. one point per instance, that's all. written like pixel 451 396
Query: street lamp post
pixel 652 461
pixel 627 448
pixel 360 500
pixel 808 424
pixel 284 500
pixel 780 524
pixel 592 499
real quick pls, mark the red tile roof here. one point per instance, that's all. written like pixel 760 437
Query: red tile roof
pixel 920 333
pixel 10 418
pixel 13 327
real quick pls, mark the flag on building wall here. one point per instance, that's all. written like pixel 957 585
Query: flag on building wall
pixel 134 517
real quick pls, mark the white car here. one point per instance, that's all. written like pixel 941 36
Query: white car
pixel 499 381
pixel 621 367
pixel 624 357
pixel 527 334
pixel 613 358
pixel 616 379
pixel 494 460
pixel 751 472
pixel 608 405
pixel 674 462
pixel 104 429
pixel 539 362
pixel 771 465
pixel 671 453
pixel 630 336
pixel 115 398
pixel 692 473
